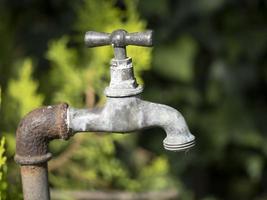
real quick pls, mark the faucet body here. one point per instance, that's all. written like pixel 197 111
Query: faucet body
pixel 123 112
pixel 128 114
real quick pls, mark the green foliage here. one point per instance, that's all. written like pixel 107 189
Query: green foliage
pixel 21 95
pixel 25 87
pixel 65 78
pixel 153 176
pixel 3 170
pixel 176 60
pixel 96 166
pixel 3 166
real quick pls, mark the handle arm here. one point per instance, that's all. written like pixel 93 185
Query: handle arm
pixel 119 39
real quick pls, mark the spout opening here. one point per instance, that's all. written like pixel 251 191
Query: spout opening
pixel 179 142
pixel 179 147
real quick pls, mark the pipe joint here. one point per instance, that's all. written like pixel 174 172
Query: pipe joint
pixel 37 129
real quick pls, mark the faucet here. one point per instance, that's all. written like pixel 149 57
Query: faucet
pixel 123 112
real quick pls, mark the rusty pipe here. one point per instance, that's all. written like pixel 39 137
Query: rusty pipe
pixel 35 181
pixel 33 134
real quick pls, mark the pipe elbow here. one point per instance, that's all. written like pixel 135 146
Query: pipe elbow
pixel 37 129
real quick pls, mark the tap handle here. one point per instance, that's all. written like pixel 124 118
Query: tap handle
pixel 119 39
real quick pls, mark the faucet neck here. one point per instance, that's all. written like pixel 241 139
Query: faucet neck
pixel 122 79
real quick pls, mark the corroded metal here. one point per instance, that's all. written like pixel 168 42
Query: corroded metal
pixel 35 131
pixel 35 182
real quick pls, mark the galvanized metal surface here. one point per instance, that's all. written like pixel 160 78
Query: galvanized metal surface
pixel 35 182
pixel 129 114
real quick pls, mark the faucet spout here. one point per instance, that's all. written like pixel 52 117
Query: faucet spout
pixel 130 114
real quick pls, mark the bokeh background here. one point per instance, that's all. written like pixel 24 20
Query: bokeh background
pixel 209 61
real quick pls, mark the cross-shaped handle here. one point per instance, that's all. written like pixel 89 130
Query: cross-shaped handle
pixel 119 39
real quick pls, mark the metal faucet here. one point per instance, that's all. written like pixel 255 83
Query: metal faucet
pixel 124 111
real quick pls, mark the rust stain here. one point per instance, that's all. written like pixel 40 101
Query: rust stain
pixel 37 129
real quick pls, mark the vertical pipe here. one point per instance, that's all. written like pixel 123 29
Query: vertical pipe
pixel 35 182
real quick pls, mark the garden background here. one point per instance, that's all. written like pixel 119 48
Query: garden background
pixel 209 61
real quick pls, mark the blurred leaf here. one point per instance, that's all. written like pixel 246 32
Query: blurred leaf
pixel 23 90
pixel 66 79
pixel 21 96
pixel 3 170
pixel 176 61
pixel 254 166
